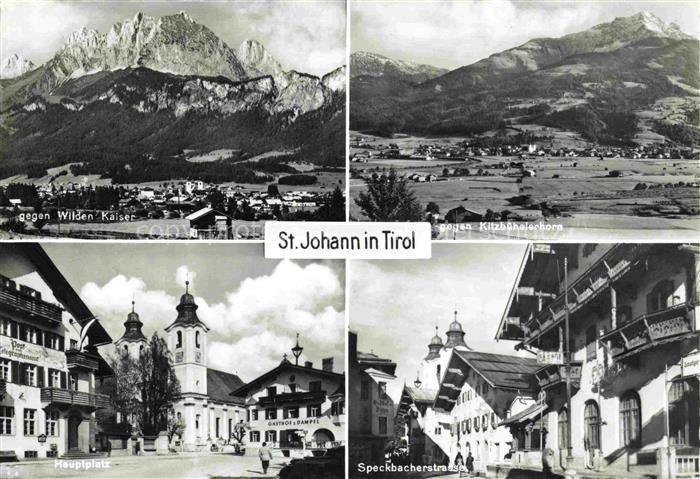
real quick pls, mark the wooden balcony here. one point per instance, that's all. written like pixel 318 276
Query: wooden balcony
pixel 80 360
pixel 584 289
pixel 673 323
pixel 68 397
pixel 11 298
pixel 555 374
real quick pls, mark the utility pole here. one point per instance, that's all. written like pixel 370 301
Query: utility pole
pixel 567 362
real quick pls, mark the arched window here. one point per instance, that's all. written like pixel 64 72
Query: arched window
pixel 563 428
pixel 179 340
pixel 141 348
pixel 196 339
pixel 126 348
pixel 684 412
pixel 661 296
pixel 591 421
pixel 438 371
pixel 630 419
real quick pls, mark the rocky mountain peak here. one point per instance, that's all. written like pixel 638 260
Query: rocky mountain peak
pixel 15 65
pixel 648 23
pixel 257 61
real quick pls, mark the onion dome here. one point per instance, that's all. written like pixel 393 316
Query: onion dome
pixel 187 311
pixel 455 335
pixel 435 346
pixel 132 327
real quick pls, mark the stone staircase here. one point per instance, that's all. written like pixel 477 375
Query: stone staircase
pixel 78 454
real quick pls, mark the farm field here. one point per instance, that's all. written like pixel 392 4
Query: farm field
pixel 582 187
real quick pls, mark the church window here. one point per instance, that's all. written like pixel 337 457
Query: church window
pixel 196 339
pixel 178 344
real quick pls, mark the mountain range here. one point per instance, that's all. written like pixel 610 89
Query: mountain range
pixel 608 83
pixel 132 90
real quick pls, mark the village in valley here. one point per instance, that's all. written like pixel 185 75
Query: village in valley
pixel 531 175
pixel 172 209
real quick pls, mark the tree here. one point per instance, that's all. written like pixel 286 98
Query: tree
pixel 388 198
pixel 334 210
pixel 176 427
pixel 159 387
pixel 273 190
pixel 123 388
pixel 433 208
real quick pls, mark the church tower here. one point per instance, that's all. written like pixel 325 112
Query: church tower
pixel 455 336
pixel 187 341
pixel 132 341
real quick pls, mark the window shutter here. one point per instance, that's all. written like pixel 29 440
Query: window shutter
pixel 63 380
pixel 40 376
pixel 15 372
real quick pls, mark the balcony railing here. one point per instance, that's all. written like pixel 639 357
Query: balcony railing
pixel 74 398
pixel 556 374
pixel 79 359
pixel 11 297
pixel 584 289
pixel 649 329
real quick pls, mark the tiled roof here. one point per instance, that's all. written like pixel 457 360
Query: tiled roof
pixel 220 385
pixel 421 395
pixel 502 370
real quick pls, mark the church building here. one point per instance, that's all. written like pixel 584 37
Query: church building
pixel 205 407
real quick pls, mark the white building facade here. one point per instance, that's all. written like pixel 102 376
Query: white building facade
pixel 49 360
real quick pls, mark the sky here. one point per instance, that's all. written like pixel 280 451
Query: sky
pixel 394 306
pixel 252 305
pixel 450 34
pixel 308 36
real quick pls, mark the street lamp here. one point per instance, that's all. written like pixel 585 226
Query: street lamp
pixel 417 383
pixel 296 350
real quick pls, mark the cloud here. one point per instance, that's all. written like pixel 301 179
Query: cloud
pixel 456 33
pixel 184 274
pixel 306 36
pixel 253 326
pixel 111 303
pixel 27 27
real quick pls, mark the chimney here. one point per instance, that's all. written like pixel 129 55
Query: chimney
pixel 308 364
pixel 328 364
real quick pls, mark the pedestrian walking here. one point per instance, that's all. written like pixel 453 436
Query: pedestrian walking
pixel 459 463
pixel 265 457
pixel 470 463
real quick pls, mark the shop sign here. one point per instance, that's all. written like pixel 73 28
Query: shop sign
pixel 293 422
pixel 550 357
pixel 690 365
pixel 27 352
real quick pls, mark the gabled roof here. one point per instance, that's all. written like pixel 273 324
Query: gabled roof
pixel 283 366
pixel 371 360
pixel 502 371
pixel 220 385
pixel 63 291
pixel 421 395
